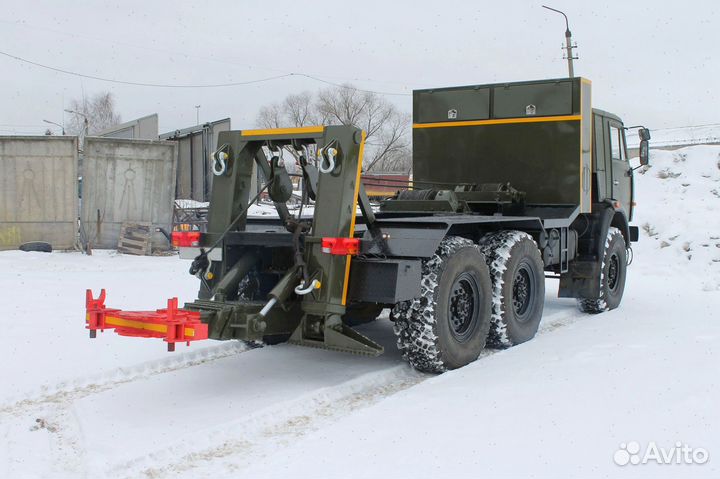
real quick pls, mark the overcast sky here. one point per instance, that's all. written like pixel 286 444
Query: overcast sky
pixel 651 62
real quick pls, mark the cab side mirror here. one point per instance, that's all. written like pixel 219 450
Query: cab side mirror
pixel 644 134
pixel 644 151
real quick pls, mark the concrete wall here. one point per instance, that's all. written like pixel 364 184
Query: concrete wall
pixel 38 190
pixel 126 180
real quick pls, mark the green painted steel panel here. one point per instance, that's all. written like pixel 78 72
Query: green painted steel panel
pixel 540 99
pixel 586 143
pixel 538 138
pixel 452 105
pixel 542 159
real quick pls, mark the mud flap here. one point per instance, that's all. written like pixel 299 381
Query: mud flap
pixel 581 281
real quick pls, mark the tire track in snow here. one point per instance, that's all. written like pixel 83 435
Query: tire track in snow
pixel 50 412
pixel 237 444
pixel 232 445
pixel 560 319
pixel 260 434
pixel 67 391
pixel 55 430
pixel 72 389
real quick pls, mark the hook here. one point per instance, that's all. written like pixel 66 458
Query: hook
pixel 315 284
pixel 280 162
pixel 328 154
pixel 220 163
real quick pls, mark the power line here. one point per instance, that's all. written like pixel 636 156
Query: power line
pixel 211 85
pixel 685 127
pixel 351 87
pixel 185 54
pixel 145 84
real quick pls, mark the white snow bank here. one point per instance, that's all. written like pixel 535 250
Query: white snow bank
pixel 678 212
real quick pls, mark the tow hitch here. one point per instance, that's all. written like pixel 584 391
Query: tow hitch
pixel 172 324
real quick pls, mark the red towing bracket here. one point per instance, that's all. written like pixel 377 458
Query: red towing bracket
pixel 172 324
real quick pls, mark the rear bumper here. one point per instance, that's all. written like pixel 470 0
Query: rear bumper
pixel 192 253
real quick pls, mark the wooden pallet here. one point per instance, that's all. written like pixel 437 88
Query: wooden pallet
pixel 135 238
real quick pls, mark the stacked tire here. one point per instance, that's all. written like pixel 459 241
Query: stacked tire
pixel 471 296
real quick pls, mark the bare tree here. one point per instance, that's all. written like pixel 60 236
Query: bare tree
pixel 391 146
pixel 271 116
pixel 295 110
pixel 99 111
pixel 387 142
pixel 299 109
pixel 399 160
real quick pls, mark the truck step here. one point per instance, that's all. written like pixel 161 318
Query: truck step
pixel 346 341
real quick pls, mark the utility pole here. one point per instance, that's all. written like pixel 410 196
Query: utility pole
pixel 197 114
pixel 85 119
pixel 568 42
pixel 86 126
pixel 56 124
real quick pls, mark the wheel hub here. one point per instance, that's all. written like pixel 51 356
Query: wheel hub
pixel 464 305
pixel 523 289
pixel 613 272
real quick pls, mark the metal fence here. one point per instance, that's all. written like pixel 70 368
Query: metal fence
pixel 144 128
pixel 194 172
pixel 38 190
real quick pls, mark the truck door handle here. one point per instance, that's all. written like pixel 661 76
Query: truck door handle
pixel 616 182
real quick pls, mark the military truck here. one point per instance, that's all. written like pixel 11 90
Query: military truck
pixel 512 183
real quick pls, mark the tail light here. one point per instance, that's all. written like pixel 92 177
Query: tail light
pixel 341 246
pixel 182 239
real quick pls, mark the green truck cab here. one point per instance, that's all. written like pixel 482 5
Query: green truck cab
pixel 612 173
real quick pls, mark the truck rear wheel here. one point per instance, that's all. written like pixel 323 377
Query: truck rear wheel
pixel 613 272
pixel 447 325
pixel 518 279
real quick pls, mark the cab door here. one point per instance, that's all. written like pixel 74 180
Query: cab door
pixel 621 174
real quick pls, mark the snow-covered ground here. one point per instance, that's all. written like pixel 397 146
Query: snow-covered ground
pixel 558 406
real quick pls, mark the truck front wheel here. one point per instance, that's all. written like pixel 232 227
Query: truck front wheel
pixel 613 271
pixel 518 278
pixel 447 325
